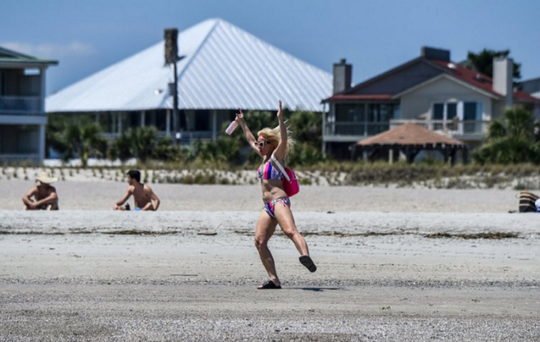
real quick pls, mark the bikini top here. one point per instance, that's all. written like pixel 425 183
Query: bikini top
pixel 268 171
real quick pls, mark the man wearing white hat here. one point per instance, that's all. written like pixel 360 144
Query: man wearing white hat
pixel 41 196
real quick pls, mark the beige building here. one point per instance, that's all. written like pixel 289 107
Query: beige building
pixel 430 91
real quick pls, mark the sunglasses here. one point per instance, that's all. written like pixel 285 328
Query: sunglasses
pixel 261 144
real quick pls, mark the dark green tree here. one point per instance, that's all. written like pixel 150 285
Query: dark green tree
pixel 512 141
pixel 483 62
pixel 121 148
pixel 144 144
pixel 80 138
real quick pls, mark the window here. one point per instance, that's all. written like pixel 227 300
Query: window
pixel 361 119
pixel 468 111
pixel 472 111
pixel 350 112
pixel 451 112
pixel 202 120
pixel 438 111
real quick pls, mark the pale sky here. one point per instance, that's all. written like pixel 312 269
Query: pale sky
pixel 87 36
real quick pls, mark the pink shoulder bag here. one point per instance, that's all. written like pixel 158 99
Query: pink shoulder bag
pixel 290 183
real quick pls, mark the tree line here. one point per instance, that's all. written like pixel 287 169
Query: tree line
pixel 82 138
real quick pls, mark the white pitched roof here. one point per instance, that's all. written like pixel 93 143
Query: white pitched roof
pixel 224 67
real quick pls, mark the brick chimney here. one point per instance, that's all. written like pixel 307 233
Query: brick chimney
pixel 433 53
pixel 171 45
pixel 342 76
pixel 503 72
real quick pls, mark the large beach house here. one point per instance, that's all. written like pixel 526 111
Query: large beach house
pixel 430 90
pixel 22 109
pixel 221 68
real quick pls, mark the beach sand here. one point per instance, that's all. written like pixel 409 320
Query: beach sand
pixel 101 195
pixel 393 265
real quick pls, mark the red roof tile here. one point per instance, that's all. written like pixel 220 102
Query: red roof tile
pixel 455 70
pixel 478 80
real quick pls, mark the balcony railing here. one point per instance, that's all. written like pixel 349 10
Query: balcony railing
pixel 186 138
pixel 21 104
pixel 349 131
pixel 355 129
pixel 452 127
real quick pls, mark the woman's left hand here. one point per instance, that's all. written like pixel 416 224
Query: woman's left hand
pixel 279 110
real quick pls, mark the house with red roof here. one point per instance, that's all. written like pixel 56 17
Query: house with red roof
pixel 431 91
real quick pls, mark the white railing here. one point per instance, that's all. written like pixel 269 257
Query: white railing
pixel 186 138
pixel 452 127
pixel 19 157
pixel 355 129
pixel 21 104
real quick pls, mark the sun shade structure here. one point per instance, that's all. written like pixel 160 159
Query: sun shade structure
pixel 221 67
pixel 410 139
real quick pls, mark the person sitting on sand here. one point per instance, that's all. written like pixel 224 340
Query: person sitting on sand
pixel 270 145
pixel 143 195
pixel 41 196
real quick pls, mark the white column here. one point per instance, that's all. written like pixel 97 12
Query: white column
pixel 214 125
pixel 323 123
pixel 43 91
pixel 366 119
pixel 41 142
pixel 120 122
pixel 143 118
pixel 168 122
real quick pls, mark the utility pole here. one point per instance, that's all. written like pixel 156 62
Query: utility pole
pixel 171 57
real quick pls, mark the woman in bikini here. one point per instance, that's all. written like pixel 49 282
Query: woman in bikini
pixel 277 205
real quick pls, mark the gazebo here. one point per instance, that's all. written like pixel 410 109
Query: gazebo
pixel 409 139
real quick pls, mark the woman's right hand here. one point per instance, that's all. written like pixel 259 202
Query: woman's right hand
pixel 239 116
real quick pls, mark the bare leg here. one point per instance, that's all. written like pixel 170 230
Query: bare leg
pixel 266 226
pixel 52 206
pixel 148 207
pixel 286 221
pixel 28 208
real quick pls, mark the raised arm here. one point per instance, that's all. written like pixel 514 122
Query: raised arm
pixel 247 133
pixel 281 148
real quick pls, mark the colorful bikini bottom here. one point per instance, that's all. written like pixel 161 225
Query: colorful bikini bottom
pixel 270 206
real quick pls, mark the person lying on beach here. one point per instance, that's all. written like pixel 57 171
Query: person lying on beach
pixel 143 195
pixel 273 144
pixel 41 196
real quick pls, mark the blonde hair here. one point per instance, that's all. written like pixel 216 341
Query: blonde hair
pixel 273 136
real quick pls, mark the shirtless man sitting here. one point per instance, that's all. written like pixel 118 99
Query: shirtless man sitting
pixel 142 194
pixel 42 196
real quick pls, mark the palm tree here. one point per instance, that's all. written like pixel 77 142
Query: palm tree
pixel 81 139
pixel 143 143
pixel 511 141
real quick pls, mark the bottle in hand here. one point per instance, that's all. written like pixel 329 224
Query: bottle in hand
pixel 231 127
